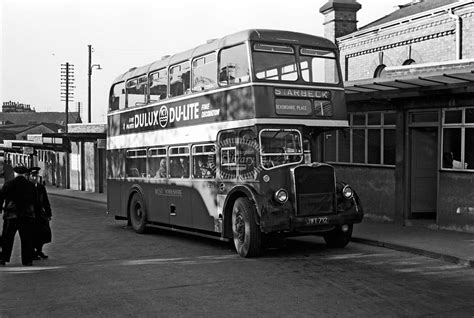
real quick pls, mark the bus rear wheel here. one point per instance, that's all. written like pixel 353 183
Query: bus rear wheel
pixel 137 213
pixel 338 238
pixel 246 233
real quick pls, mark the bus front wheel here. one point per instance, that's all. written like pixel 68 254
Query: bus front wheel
pixel 246 233
pixel 338 238
pixel 137 212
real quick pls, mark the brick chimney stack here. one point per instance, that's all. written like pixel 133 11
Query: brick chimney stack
pixel 340 18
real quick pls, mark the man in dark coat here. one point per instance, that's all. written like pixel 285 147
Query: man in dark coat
pixel 19 198
pixel 42 232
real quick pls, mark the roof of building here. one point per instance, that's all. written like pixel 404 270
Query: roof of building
pixel 409 9
pixel 16 129
pixel 26 118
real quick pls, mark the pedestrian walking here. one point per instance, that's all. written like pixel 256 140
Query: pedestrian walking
pixel 17 197
pixel 42 230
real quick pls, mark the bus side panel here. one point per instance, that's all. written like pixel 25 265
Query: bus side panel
pixel 115 167
pixel 204 205
pixel 114 204
pixel 179 200
pixel 157 203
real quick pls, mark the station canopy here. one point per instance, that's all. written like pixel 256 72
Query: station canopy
pixel 412 82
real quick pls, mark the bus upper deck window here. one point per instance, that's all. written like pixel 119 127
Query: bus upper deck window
pixel 319 66
pixel 117 97
pixel 274 62
pixel 179 79
pixel 204 73
pixel 158 82
pixel 233 65
pixel 136 91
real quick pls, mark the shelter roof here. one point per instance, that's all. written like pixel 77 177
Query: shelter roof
pixel 414 80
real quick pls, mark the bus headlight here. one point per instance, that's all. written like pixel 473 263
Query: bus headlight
pixel 347 192
pixel 281 196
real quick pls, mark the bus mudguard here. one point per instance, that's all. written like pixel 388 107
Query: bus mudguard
pixel 237 192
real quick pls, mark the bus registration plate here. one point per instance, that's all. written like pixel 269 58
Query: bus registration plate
pixel 317 220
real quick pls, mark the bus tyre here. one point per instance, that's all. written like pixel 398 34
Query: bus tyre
pixel 246 233
pixel 337 238
pixel 137 213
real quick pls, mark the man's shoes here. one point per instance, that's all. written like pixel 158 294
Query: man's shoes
pixel 28 264
pixel 2 262
pixel 36 257
pixel 42 255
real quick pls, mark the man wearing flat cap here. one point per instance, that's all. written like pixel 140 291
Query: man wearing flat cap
pixel 42 231
pixel 17 198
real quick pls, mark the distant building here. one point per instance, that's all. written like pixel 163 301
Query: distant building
pixel 15 107
pixel 18 120
pixel 30 118
pixel 20 132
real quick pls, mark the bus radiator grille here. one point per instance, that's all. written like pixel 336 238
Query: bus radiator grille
pixel 315 190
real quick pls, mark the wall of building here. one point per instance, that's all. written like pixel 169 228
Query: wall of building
pixel 75 166
pixel 428 40
pixel 375 187
pixel 90 166
pixel 455 208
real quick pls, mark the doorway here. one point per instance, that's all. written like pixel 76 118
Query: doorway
pixel 424 170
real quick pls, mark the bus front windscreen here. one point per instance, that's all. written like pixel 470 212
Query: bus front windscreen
pixel 280 147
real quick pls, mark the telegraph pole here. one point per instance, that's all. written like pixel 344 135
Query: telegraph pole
pixel 67 87
pixel 89 71
pixel 89 74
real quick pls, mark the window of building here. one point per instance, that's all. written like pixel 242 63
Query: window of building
pixel 158 82
pixel 380 71
pixel 369 140
pixel 204 161
pixel 204 73
pixel 157 166
pixel 135 163
pixel 117 97
pixel 234 65
pixel 179 162
pixel 458 139
pixel 179 79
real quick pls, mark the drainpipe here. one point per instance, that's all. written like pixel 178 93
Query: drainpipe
pixel 458 33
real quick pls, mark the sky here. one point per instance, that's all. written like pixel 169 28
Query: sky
pixel 38 36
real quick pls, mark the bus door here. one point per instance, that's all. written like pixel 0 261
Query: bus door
pixel 179 187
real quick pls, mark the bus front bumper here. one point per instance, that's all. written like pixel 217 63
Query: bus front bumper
pixel 281 222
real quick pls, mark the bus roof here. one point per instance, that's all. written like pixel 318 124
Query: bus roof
pixel 275 36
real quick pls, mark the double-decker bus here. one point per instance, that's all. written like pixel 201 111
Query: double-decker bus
pixel 226 140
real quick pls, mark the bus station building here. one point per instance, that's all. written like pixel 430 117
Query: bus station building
pixel 409 80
